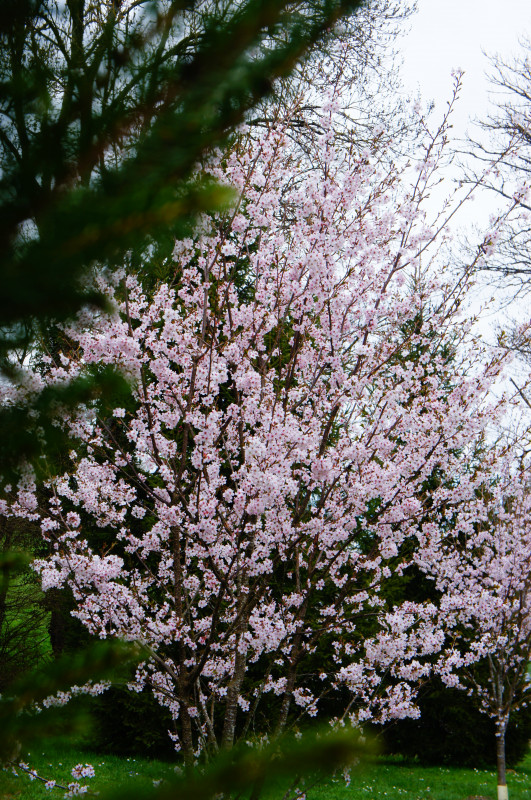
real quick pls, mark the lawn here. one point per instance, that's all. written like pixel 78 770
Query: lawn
pixel 391 779
pixel 396 780
pixel 56 760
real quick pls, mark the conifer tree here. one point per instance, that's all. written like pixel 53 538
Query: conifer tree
pixel 107 109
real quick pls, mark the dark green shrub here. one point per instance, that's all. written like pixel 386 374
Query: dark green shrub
pixel 451 731
pixel 128 723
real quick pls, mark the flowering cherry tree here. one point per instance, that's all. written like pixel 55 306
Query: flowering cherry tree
pixel 241 513
pixel 486 578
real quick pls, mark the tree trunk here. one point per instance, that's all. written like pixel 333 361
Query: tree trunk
pixel 187 739
pixel 234 687
pixel 183 686
pixel 501 727
pixel 286 700
pixel 5 577
pixel 231 703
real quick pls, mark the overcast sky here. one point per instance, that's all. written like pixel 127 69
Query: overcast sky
pixel 455 34
pixel 460 34
pixel 452 34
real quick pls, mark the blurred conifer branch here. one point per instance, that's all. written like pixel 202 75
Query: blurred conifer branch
pixel 21 721
pixel 107 108
pixel 244 772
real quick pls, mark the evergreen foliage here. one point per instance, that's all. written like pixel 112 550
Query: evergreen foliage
pixel 107 109
pixel 451 731
pixel 131 724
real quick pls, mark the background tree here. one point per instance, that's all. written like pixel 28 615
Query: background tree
pixel 504 139
pixel 486 585
pixel 24 639
pixel 358 62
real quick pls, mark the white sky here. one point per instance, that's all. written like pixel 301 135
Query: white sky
pixel 456 34
pixel 460 34
pixel 452 34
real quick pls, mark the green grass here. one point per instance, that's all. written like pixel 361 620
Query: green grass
pixel 395 780
pixel 387 779
pixel 55 761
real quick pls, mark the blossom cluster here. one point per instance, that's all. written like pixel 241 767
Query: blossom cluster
pixel 297 437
